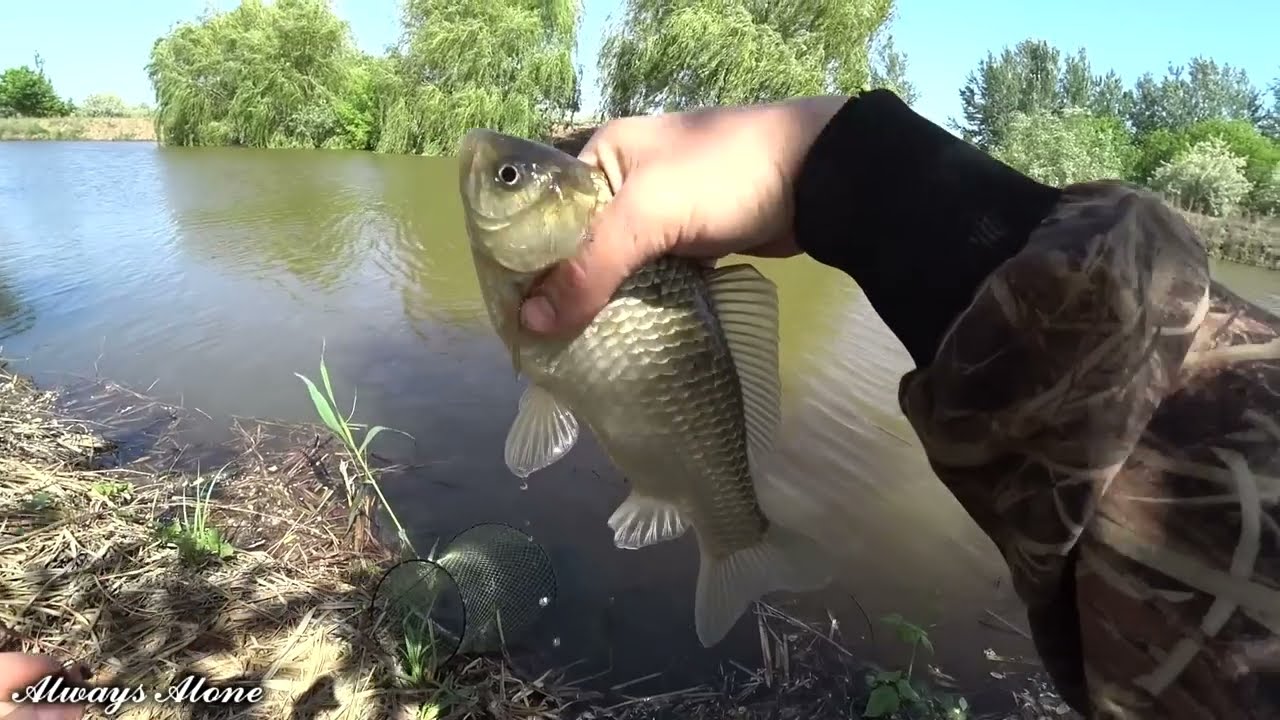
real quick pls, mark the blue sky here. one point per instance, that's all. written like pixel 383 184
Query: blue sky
pixel 93 46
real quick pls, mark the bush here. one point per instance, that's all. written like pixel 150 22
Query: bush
pixel 103 105
pixel 1266 198
pixel 1206 178
pixel 1066 147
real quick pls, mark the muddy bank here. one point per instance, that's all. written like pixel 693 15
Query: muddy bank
pixel 78 128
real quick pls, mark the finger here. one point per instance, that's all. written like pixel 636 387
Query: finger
pixel 19 671
pixel 573 293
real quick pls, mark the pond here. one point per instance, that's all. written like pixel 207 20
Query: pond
pixel 212 275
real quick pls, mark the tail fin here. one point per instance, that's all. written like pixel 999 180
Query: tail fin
pixel 783 560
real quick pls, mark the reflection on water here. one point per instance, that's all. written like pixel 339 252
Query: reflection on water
pixel 217 273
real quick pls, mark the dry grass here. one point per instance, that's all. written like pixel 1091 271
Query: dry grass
pixel 77 128
pixel 86 576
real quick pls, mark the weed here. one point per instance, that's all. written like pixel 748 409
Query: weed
pixel 38 502
pixel 112 490
pixel 327 408
pixel 197 540
pixel 895 695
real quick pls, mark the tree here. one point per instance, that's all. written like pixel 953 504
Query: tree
pixel 1030 79
pixel 1205 178
pixel 679 54
pixel 29 93
pixel 1267 194
pixel 260 75
pixel 501 64
pixel 1241 138
pixel 1059 148
pixel 889 69
pixel 1201 90
pixel 103 105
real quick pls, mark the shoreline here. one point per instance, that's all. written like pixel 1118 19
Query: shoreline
pixel 91 129
pixel 154 577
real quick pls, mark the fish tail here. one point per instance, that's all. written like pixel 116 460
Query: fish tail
pixel 784 560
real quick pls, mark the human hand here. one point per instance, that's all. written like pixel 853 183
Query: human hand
pixel 702 184
pixel 19 671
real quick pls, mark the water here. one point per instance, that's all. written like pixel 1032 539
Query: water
pixel 213 275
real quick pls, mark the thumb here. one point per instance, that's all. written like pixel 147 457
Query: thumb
pixel 575 291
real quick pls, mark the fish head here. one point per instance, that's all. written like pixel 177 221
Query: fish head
pixel 527 205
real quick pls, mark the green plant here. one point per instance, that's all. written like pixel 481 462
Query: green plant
pixel 111 489
pixel 895 694
pixel 326 406
pixel 1206 178
pixel 38 502
pixel 1059 148
pixel 28 92
pixel 196 539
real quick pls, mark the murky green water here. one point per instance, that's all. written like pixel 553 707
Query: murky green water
pixel 214 275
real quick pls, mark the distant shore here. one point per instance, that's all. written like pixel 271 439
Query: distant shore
pixel 78 128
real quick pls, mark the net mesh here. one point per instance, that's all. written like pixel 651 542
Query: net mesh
pixel 483 591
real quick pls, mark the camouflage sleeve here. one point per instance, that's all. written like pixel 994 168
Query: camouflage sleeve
pixel 1042 387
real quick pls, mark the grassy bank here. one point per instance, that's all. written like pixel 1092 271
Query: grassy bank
pixel 1245 240
pixel 147 574
pixel 78 128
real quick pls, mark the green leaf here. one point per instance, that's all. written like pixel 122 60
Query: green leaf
pixel 364 445
pixel 323 409
pixel 883 701
pixel 905 691
pixel 324 378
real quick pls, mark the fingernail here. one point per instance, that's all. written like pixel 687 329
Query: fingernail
pixel 537 314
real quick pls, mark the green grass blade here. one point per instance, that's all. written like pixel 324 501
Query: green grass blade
pixel 364 445
pixel 323 409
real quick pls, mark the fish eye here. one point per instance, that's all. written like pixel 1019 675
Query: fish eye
pixel 508 175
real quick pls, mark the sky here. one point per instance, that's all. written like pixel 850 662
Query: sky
pixel 93 46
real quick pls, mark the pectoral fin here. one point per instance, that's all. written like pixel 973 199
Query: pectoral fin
pixel 543 431
pixel 746 303
pixel 641 521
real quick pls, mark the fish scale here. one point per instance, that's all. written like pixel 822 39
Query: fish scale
pixel 653 355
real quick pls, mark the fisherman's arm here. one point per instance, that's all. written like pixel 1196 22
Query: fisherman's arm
pixel 1045 324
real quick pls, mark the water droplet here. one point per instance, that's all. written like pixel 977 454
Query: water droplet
pixel 524 486
pixel 544 601
pixel 555 642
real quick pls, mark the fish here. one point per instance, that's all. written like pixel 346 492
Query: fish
pixel 677 378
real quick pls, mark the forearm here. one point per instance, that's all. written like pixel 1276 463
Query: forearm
pixel 915 215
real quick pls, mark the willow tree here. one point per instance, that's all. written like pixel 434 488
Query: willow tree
pixel 506 65
pixel 267 75
pixel 676 54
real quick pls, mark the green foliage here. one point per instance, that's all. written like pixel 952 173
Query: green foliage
pixel 894 694
pixel 1202 90
pixel 1065 147
pixel 326 406
pixel 1242 138
pixel 260 75
pixel 288 75
pixel 197 541
pixel 27 92
pixel 110 105
pixel 1266 196
pixel 1205 178
pixel 460 64
pixel 680 54
pixel 1031 79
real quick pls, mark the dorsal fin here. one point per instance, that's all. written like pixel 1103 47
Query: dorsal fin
pixel 746 303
